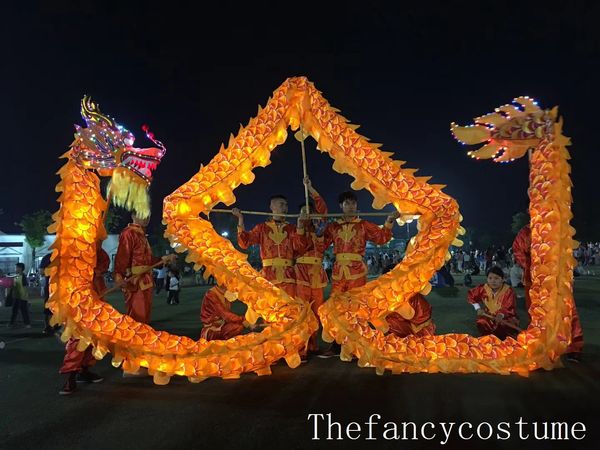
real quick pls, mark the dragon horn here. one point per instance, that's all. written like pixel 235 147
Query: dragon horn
pixel 90 111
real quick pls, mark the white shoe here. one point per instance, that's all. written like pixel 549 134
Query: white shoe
pixel 141 372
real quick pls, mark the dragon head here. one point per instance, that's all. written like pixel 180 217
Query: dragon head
pixel 107 147
pixel 509 131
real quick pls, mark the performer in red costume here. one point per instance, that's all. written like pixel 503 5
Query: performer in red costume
pixel 279 241
pixel 494 298
pixel 132 268
pixel 218 321
pixel 349 236
pixel 310 275
pixel 413 319
pixel 522 252
pixel 76 364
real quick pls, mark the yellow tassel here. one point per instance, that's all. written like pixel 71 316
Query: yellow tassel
pixel 129 191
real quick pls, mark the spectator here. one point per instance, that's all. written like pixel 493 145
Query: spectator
pixel 160 278
pixel 18 293
pixel 516 275
pixel 174 285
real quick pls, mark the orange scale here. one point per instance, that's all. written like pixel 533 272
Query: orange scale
pixel 476 353
pixel 126 323
pixel 172 343
pixel 127 334
pixel 82 265
pixel 77 314
pixel 117 335
pixel 108 326
pixel 486 349
pixel 114 314
pixel 89 315
pixel 73 302
pixel 94 326
pixel 463 348
pixel 451 353
pixel 80 245
pixel 428 344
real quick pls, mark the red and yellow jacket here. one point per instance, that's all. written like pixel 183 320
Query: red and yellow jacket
pixel 279 243
pixel 349 240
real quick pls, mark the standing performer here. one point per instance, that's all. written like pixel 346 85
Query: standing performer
pixel 522 252
pixel 278 241
pixel 218 321
pixel 132 268
pixel 349 236
pixel 494 298
pixel 49 330
pixel 76 364
pixel 310 274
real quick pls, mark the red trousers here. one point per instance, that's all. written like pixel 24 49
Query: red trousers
pixel 314 295
pixel 488 326
pixel 139 304
pixel 289 288
pixel 576 345
pixel 344 285
pixel 402 327
pixel 76 361
pixel 224 332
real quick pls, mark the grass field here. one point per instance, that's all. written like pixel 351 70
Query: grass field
pixel 271 412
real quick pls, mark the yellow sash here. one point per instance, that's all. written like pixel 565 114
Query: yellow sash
pixel 309 260
pixel 344 260
pixel 280 265
pixel 137 270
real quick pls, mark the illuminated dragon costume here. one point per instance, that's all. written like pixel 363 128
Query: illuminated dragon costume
pixel 347 317
pixel 355 319
pixel 509 133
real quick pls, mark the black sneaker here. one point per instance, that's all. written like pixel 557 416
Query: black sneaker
pixel 573 357
pixel 70 385
pixel 89 377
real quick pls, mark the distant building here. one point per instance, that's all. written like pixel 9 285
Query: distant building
pixel 14 249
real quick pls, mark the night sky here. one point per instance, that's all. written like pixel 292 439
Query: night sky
pixel 194 74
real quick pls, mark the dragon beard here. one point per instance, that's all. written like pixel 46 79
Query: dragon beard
pixel 129 191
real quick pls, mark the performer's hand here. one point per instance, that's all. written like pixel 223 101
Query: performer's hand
pixel 248 325
pixel 123 283
pixel 169 259
pixel 392 217
pixel 302 217
pixel 480 312
pixel 237 213
pixel 499 317
pixel 308 184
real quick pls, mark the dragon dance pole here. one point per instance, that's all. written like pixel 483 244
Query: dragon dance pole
pixel 262 213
